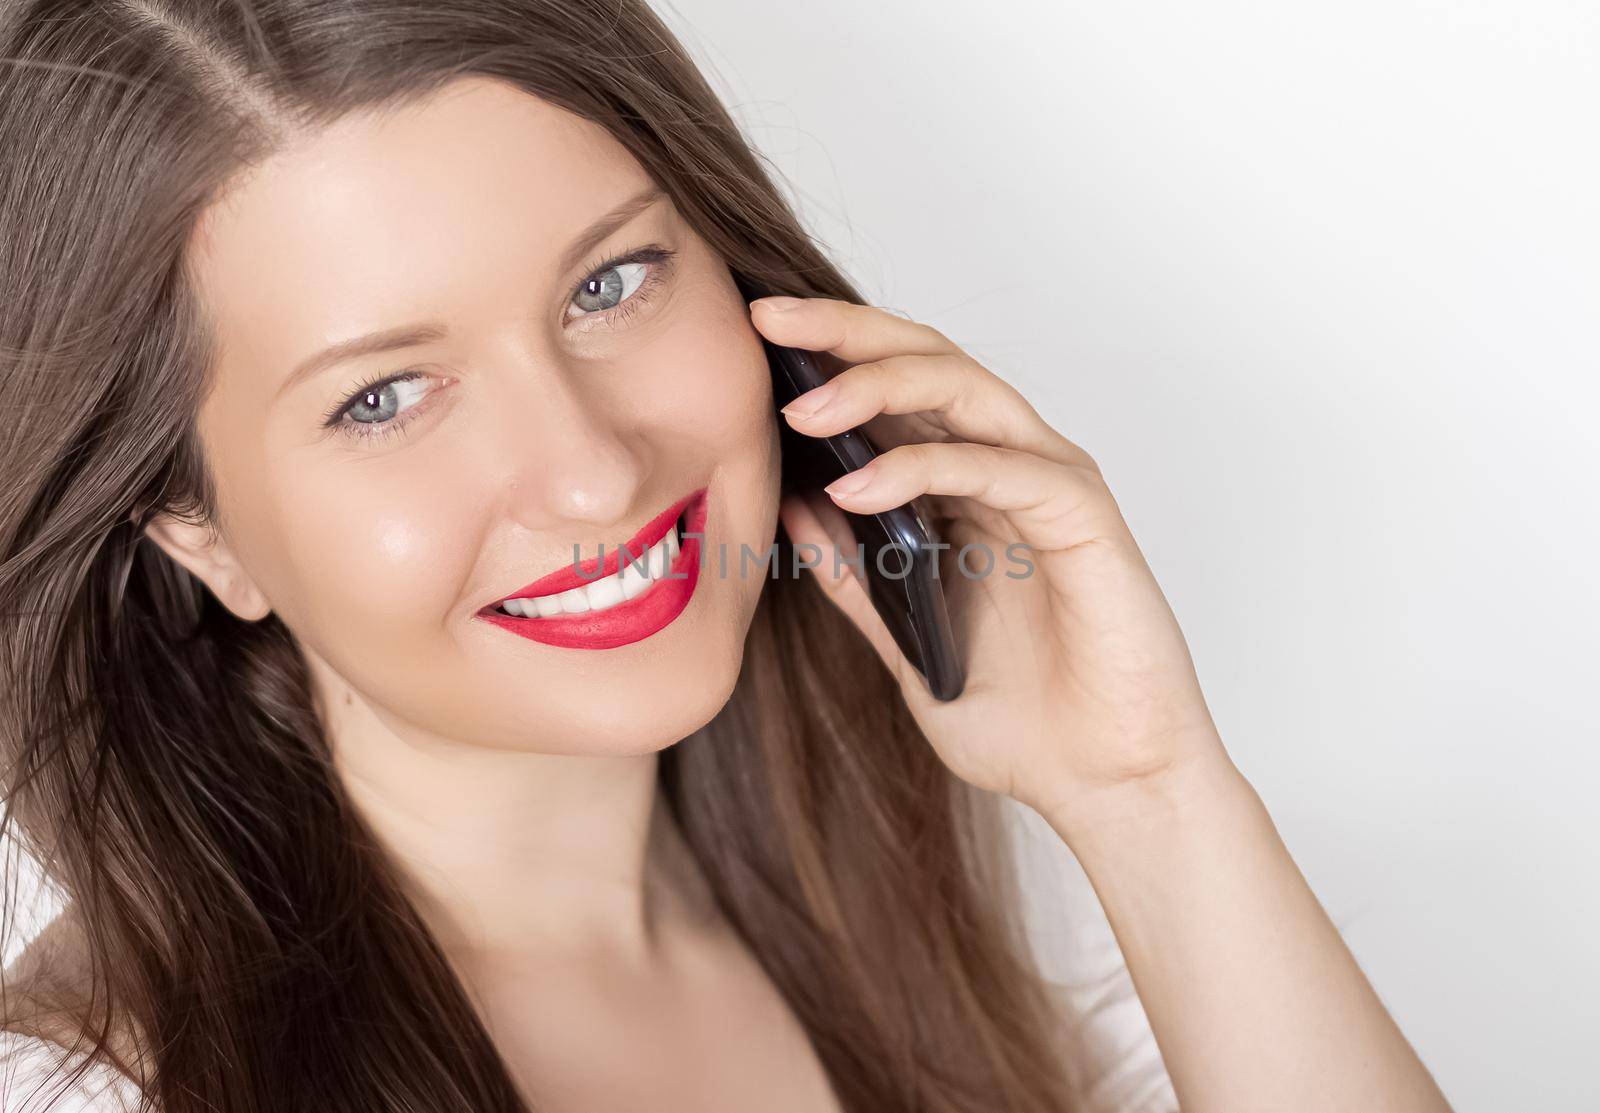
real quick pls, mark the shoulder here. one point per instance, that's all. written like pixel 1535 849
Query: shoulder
pixel 38 1076
pixel 41 1071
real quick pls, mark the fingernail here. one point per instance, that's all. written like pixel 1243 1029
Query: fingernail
pixel 780 304
pixel 850 484
pixel 812 400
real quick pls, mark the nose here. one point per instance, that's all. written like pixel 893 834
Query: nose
pixel 569 455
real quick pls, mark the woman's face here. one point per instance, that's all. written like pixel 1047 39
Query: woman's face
pixel 548 398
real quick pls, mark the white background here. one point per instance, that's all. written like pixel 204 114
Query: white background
pixel 1318 286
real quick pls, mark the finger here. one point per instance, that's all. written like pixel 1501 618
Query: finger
pixel 1052 505
pixel 951 390
pixel 840 582
pixel 854 333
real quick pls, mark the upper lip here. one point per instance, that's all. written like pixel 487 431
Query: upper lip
pixel 588 571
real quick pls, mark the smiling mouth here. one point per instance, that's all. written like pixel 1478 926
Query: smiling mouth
pixel 627 573
pixel 632 579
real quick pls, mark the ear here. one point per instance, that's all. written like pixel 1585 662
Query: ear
pixel 200 549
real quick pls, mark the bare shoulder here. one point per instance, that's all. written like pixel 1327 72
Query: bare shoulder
pixel 44 1051
pixel 47 982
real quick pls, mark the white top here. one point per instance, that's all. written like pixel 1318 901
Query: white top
pixel 1115 1064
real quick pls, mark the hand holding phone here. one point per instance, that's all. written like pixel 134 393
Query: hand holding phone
pixel 899 560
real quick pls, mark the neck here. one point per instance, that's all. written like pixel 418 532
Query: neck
pixel 510 853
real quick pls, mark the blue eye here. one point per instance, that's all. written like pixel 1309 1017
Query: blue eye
pixel 615 290
pixel 384 401
pixel 378 408
pixel 615 284
pixel 608 287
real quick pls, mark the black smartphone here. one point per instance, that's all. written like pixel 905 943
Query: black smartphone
pixel 899 560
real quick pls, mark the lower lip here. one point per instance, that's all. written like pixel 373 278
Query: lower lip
pixel 629 621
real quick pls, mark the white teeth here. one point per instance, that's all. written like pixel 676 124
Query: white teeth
pixel 605 592
pixel 635 578
pixel 632 579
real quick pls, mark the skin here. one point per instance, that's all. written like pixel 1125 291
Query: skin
pixel 516 781
pixel 1082 702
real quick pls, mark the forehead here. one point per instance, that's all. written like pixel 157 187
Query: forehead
pixel 385 215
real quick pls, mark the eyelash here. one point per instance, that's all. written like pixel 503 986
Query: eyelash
pixel 654 254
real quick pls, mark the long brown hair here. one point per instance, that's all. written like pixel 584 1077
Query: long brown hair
pixel 247 945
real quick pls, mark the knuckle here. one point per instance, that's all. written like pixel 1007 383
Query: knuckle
pixel 865 372
pixel 1088 465
pixel 914 456
pixel 981 386
pixel 967 385
pixel 900 379
pixel 1090 479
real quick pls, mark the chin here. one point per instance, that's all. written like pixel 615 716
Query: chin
pixel 644 709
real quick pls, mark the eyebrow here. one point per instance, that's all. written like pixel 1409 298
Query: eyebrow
pixel 410 336
pixel 591 237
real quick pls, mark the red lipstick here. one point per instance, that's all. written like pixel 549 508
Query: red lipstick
pixel 632 619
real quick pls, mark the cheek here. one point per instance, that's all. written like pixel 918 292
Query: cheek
pixel 373 560
pixel 367 561
pixel 714 404
pixel 709 383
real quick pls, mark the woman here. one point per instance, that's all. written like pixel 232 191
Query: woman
pixel 330 328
